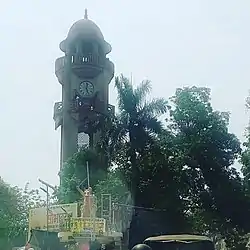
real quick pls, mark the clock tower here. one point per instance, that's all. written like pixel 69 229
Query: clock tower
pixel 84 72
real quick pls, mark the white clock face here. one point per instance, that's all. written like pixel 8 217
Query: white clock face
pixel 86 88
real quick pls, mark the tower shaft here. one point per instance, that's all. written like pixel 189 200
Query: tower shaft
pixel 69 125
pixel 84 73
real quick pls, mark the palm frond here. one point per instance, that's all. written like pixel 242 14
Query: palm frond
pixel 125 91
pixel 117 134
pixel 152 124
pixel 157 106
pixel 142 91
pixel 137 117
pixel 121 130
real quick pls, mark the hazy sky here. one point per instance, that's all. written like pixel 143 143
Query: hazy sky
pixel 172 43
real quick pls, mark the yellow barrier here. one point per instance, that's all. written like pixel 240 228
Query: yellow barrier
pixel 58 220
pixel 80 225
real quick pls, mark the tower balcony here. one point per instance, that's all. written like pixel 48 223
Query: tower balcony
pixel 59 69
pixel 58 115
pixel 88 66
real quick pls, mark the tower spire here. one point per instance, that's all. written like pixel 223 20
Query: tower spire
pixel 86 14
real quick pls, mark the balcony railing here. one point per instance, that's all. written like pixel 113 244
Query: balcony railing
pixel 88 59
pixel 77 60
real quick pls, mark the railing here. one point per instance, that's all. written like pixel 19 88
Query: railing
pixel 88 59
pixel 78 60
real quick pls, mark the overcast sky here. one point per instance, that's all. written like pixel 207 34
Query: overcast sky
pixel 172 43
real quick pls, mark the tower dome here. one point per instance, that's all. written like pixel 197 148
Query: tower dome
pixel 85 29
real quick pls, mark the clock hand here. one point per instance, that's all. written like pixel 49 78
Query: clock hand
pixel 86 88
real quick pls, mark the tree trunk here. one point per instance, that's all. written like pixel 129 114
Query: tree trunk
pixel 134 230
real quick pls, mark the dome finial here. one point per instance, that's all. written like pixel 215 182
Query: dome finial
pixel 86 14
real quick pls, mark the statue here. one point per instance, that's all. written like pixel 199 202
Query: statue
pixel 89 203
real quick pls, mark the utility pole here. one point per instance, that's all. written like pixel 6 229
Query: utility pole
pixel 88 177
pixel 46 190
pixel 92 220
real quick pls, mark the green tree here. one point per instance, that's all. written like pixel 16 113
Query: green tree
pixel 137 125
pixel 8 210
pixel 74 174
pixel 182 171
pixel 138 122
pixel 114 185
pixel 245 156
pixel 15 204
pixel 209 151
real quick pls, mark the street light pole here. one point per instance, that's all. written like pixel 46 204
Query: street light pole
pixel 46 190
pixel 47 212
pixel 87 168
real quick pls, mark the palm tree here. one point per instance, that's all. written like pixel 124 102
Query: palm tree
pixel 137 119
pixel 136 125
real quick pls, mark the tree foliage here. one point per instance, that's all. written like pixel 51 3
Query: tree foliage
pixel 74 174
pixel 15 204
pixel 245 156
pixel 209 151
pixel 138 123
pixel 181 168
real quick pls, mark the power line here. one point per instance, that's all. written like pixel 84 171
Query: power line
pixel 140 207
